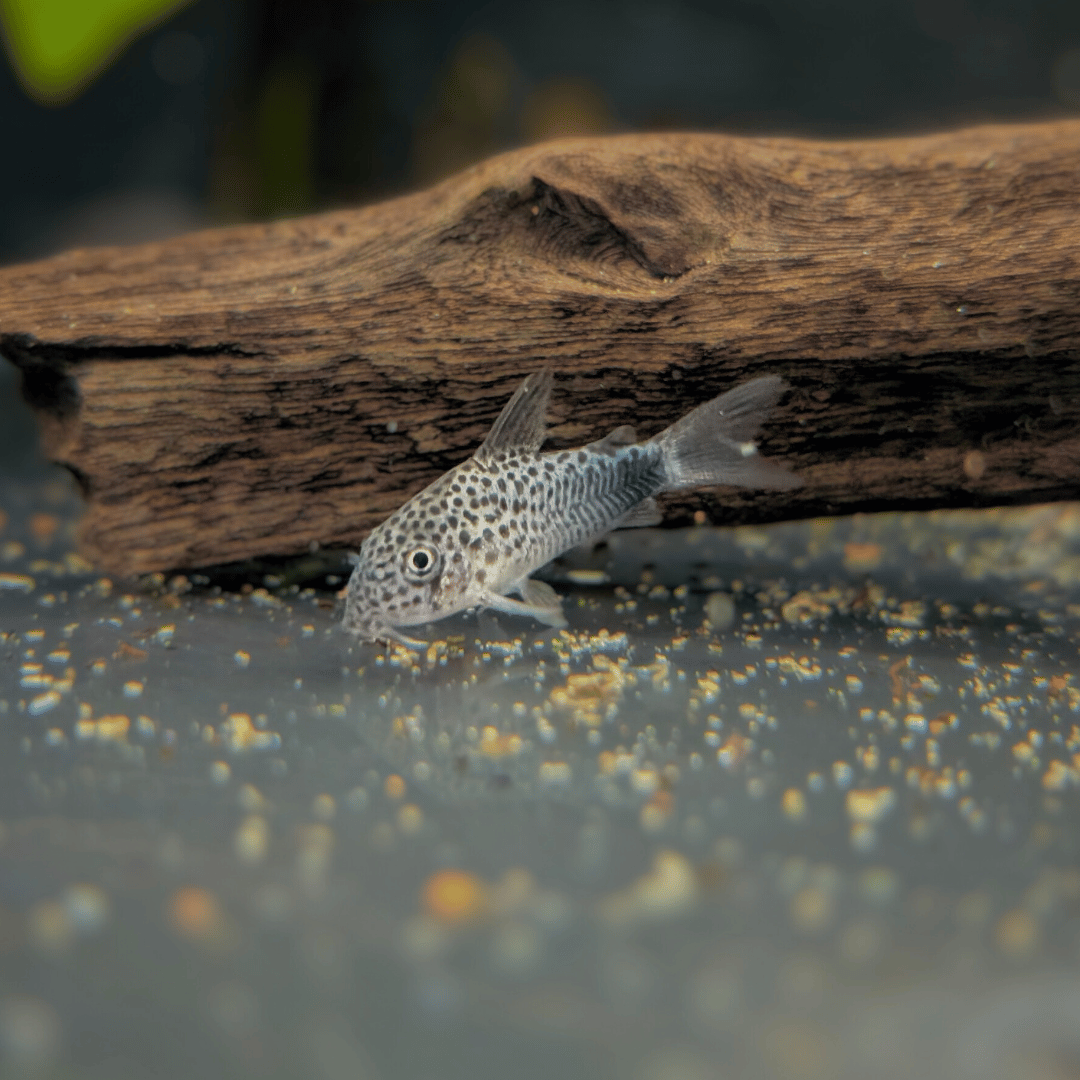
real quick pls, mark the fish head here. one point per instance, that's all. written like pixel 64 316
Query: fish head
pixel 406 573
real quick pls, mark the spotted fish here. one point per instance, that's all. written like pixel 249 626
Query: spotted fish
pixel 476 534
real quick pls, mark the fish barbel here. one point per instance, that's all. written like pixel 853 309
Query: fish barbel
pixel 478 532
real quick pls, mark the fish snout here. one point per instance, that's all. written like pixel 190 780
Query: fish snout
pixel 362 615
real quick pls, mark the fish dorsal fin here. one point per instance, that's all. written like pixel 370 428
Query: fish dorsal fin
pixel 620 437
pixel 522 424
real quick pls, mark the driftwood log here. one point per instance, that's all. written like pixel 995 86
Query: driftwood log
pixel 247 391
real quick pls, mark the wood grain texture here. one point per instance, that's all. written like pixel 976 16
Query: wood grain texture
pixel 247 391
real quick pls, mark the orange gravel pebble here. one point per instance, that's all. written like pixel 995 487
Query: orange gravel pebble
pixel 43 526
pixel 862 556
pixel 454 896
pixel 195 913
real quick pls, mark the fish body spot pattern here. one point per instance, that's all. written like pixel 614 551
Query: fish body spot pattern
pixel 472 538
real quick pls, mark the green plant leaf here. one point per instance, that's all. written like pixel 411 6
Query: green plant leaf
pixel 58 46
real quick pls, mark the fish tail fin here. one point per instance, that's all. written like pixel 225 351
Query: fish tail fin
pixel 713 443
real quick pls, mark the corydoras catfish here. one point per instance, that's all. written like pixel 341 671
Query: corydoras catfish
pixel 476 534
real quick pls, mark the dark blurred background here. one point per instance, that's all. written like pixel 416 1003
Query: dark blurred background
pixel 237 110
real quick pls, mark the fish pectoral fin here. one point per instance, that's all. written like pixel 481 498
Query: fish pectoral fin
pixel 522 424
pixel 538 594
pixel 641 516
pixel 539 600
pixel 390 634
pixel 385 632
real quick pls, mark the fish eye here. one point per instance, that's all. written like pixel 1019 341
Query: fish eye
pixel 421 563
